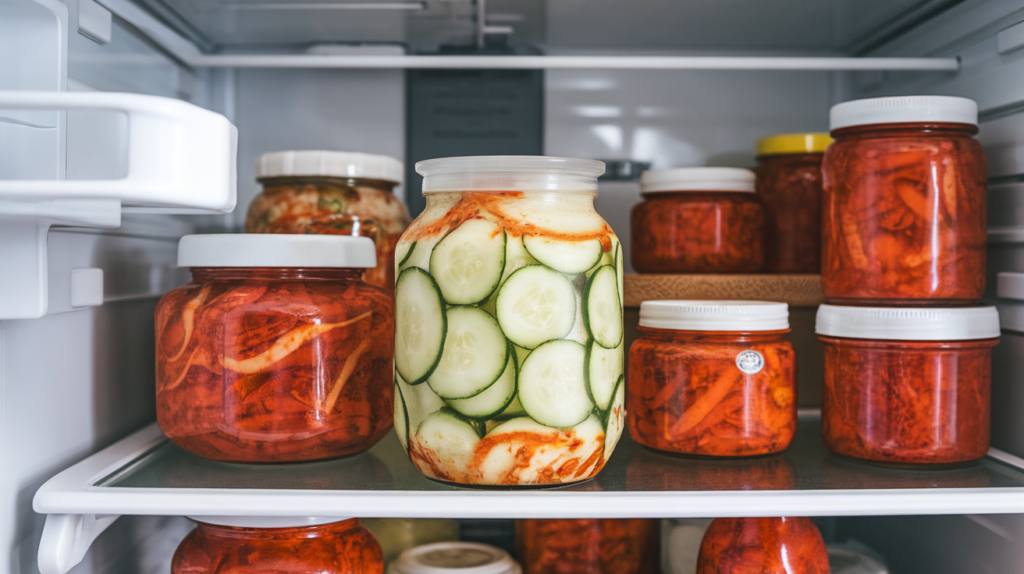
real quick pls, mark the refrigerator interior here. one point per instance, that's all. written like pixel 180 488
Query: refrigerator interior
pixel 81 377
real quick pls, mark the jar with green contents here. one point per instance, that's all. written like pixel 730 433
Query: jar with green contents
pixel 509 324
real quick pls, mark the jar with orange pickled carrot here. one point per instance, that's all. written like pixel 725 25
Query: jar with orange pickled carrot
pixel 904 204
pixel 786 545
pixel 588 546
pixel 276 351
pixel 712 378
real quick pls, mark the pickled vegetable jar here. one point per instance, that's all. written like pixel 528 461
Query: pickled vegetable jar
pixel 221 545
pixel 276 351
pixel 592 546
pixel 454 558
pixel 508 341
pixel 712 378
pixel 907 385
pixel 333 193
pixel 763 545
pixel 789 185
pixel 697 220
pixel 904 204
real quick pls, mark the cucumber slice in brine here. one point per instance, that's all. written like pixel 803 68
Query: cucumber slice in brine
pixel 450 438
pixel 552 388
pixel 420 325
pixel 468 262
pixel 402 253
pixel 615 418
pixel 494 399
pixel 569 257
pixel 535 305
pixel 474 356
pixel 603 370
pixel 602 308
pixel 401 418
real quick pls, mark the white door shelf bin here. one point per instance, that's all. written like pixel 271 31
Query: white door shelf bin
pixel 145 474
pixel 181 158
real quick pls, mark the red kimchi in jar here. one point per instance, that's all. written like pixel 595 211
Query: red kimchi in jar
pixel 907 385
pixel 784 545
pixel 590 546
pixel 276 351
pixel 697 220
pixel 712 378
pixel 278 546
pixel 905 203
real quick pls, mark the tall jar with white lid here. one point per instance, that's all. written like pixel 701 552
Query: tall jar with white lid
pixel 509 324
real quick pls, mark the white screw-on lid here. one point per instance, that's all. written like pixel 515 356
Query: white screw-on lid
pixel 931 109
pixel 329 164
pixel 268 521
pixel 908 324
pixel 697 179
pixel 454 558
pixel 276 250
pixel 714 315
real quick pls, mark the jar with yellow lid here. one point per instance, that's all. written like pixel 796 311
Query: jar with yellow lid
pixel 789 185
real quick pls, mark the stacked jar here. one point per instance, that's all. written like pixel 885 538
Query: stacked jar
pixel 907 360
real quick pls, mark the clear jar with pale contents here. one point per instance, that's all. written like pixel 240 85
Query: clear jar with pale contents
pixel 509 324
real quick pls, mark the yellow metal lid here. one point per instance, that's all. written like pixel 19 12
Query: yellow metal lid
pixel 793 143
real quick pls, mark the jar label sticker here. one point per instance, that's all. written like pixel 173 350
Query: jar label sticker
pixel 750 362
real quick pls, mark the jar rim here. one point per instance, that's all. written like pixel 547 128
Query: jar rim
pixel 904 109
pixel 509 173
pixel 328 163
pixel 697 179
pixel 416 560
pixel 908 323
pixel 276 250
pixel 269 521
pixel 725 316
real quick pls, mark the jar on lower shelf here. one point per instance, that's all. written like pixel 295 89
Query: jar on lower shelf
pixel 712 378
pixel 907 385
pixel 221 545
pixel 589 546
pixel 454 558
pixel 784 545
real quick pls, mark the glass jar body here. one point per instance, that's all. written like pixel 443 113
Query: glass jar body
pixel 789 186
pixel 904 215
pixel 687 393
pixel 764 545
pixel 337 548
pixel 334 206
pixel 697 232
pixel 274 365
pixel 533 309
pixel 907 401
pixel 592 546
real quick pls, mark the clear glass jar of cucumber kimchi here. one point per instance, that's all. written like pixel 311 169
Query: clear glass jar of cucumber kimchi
pixel 509 324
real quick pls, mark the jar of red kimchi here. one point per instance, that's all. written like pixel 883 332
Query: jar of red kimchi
pixel 697 220
pixel 223 545
pixel 784 545
pixel 907 385
pixel 712 378
pixel 333 193
pixel 789 186
pixel 904 204
pixel 276 351
pixel 590 546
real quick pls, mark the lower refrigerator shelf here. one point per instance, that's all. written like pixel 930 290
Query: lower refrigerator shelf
pixel 146 474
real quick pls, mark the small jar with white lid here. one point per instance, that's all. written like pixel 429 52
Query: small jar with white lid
pixel 907 385
pixel 712 378
pixel 697 220
pixel 333 193
pixel 454 558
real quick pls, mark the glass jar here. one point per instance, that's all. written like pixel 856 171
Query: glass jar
pixel 697 220
pixel 509 332
pixel 591 546
pixel 907 385
pixel 278 546
pixel 764 545
pixel 789 186
pixel 680 544
pixel 276 351
pixel 904 204
pixel 333 193
pixel 712 378
pixel 454 558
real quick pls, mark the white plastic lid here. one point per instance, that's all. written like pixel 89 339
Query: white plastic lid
pixel 454 558
pixel 268 521
pixel 276 250
pixel 697 179
pixel 329 164
pixel 908 324
pixel 931 109
pixel 509 173
pixel 714 315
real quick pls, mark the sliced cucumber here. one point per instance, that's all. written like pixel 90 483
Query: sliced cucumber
pixel 451 437
pixel 536 304
pixel 516 256
pixel 619 268
pixel 469 261
pixel 401 418
pixel 402 253
pixel 602 308
pixel 569 257
pixel 474 356
pixel 420 325
pixel 514 409
pixel 495 399
pixel 615 418
pixel 604 369
pixel 551 385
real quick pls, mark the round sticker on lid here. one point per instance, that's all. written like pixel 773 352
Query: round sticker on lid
pixel 750 361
